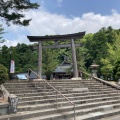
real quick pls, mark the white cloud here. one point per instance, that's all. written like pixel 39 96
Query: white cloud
pixel 14 42
pixel 45 23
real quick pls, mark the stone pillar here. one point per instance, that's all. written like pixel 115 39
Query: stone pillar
pixel 40 59
pixel 75 70
pixel 13 101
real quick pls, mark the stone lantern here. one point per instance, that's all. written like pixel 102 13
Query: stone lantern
pixel 94 67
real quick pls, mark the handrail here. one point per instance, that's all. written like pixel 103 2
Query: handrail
pixel 56 91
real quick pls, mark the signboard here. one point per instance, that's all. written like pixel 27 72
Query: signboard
pixel 12 66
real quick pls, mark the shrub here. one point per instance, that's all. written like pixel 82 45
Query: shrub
pixel 3 74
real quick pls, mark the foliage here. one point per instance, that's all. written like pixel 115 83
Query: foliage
pixel 80 55
pixel 23 55
pixel 103 47
pixel 116 70
pixel 112 59
pixel 1 32
pixel 87 44
pixel 49 61
pixel 13 11
pixel 3 74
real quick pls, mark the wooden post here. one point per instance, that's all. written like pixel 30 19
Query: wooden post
pixel 40 59
pixel 75 71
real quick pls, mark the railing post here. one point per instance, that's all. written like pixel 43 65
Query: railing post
pixel 35 83
pixel 28 76
pixel 44 87
pixel 74 112
pixel 117 93
pixel 56 99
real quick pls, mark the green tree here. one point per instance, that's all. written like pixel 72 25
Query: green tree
pixel 3 74
pixel 4 56
pixel 1 32
pixel 13 11
pixel 96 45
pixel 116 70
pixel 49 61
pixel 80 55
pixel 111 62
pixel 87 42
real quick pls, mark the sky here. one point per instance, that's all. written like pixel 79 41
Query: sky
pixel 64 17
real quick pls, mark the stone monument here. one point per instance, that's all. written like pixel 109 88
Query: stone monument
pixel 94 67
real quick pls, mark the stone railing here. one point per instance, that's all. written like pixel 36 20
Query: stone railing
pixel 10 102
pixel 102 81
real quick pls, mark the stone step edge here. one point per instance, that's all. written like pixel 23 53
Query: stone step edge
pixel 69 95
pixel 80 107
pixel 71 100
pixel 81 117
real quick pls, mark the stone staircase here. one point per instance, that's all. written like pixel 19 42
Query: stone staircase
pixel 93 100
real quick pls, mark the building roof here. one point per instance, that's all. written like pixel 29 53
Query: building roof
pixel 62 68
pixel 56 37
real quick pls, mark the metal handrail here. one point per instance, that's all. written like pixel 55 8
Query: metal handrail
pixel 56 92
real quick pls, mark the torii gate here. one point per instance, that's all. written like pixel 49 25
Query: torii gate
pixel 57 38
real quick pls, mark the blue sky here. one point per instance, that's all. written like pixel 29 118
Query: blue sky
pixel 65 17
pixel 78 7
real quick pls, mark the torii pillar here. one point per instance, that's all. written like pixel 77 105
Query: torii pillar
pixel 40 59
pixel 75 69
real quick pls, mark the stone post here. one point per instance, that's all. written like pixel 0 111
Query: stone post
pixel 13 101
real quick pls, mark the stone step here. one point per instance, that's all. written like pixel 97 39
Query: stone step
pixel 58 86
pixel 66 82
pixel 14 87
pixel 45 114
pixel 81 93
pixel 113 117
pixel 77 86
pixel 66 103
pixel 99 115
pixel 17 91
pixel 75 96
pixel 17 83
pixel 32 114
pixel 89 116
pixel 72 99
pixel 21 91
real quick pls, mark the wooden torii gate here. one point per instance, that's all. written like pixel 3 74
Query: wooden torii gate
pixel 57 38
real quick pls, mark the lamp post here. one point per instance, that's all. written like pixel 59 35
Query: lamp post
pixel 94 67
